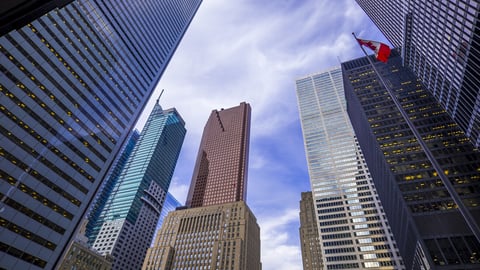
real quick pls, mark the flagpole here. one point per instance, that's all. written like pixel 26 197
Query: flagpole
pixel 450 188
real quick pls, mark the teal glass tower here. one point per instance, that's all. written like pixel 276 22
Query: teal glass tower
pixel 94 222
pixel 131 213
pixel 72 84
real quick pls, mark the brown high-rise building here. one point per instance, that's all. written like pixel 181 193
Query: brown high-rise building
pixel 309 239
pixel 220 174
pixel 218 230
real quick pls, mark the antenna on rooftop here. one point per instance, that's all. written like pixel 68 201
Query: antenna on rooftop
pixel 158 99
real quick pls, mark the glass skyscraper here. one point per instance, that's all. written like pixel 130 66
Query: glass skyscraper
pixel 73 82
pixel 423 210
pixel 131 213
pixel 440 42
pixel 353 230
pixel 94 223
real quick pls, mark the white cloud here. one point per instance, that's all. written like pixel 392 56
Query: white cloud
pixel 178 190
pixel 278 252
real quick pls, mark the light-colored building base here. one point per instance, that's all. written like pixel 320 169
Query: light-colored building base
pixel 82 257
pixel 224 236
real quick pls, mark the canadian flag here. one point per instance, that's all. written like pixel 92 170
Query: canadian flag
pixel 382 51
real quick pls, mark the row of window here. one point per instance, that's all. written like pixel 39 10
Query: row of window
pixel 98 67
pixel 56 83
pixel 6 248
pixel 49 143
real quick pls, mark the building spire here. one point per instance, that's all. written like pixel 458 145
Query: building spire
pixel 158 99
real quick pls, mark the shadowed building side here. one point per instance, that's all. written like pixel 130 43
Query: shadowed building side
pixel 424 215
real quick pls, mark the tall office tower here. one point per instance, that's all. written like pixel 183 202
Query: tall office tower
pixel 131 213
pixel 218 231
pixel 354 232
pixel 309 239
pixel 423 210
pixel 220 175
pixel 223 236
pixel 73 82
pixel 440 42
pixel 94 222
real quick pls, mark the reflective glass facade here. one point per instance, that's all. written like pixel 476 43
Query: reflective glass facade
pixel 353 230
pixel 131 213
pixel 441 44
pixel 72 84
pixel 94 221
pixel 431 232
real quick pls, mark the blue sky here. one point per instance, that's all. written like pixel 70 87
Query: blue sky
pixel 253 51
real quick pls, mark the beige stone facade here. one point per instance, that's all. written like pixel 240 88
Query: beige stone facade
pixel 309 239
pixel 224 236
pixel 82 257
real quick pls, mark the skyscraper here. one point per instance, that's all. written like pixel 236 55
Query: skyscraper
pixel 217 230
pixel 354 232
pixel 440 42
pixel 94 223
pixel 73 82
pixel 133 208
pixel 423 210
pixel 309 239
pixel 220 175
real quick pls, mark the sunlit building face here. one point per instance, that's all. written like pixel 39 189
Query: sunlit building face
pixel 353 232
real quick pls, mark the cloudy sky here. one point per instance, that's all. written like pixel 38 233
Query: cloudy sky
pixel 253 51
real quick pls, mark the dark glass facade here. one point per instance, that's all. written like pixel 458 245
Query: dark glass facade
pixel 427 224
pixel 15 14
pixel 72 83
pixel 440 42
pixel 220 173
